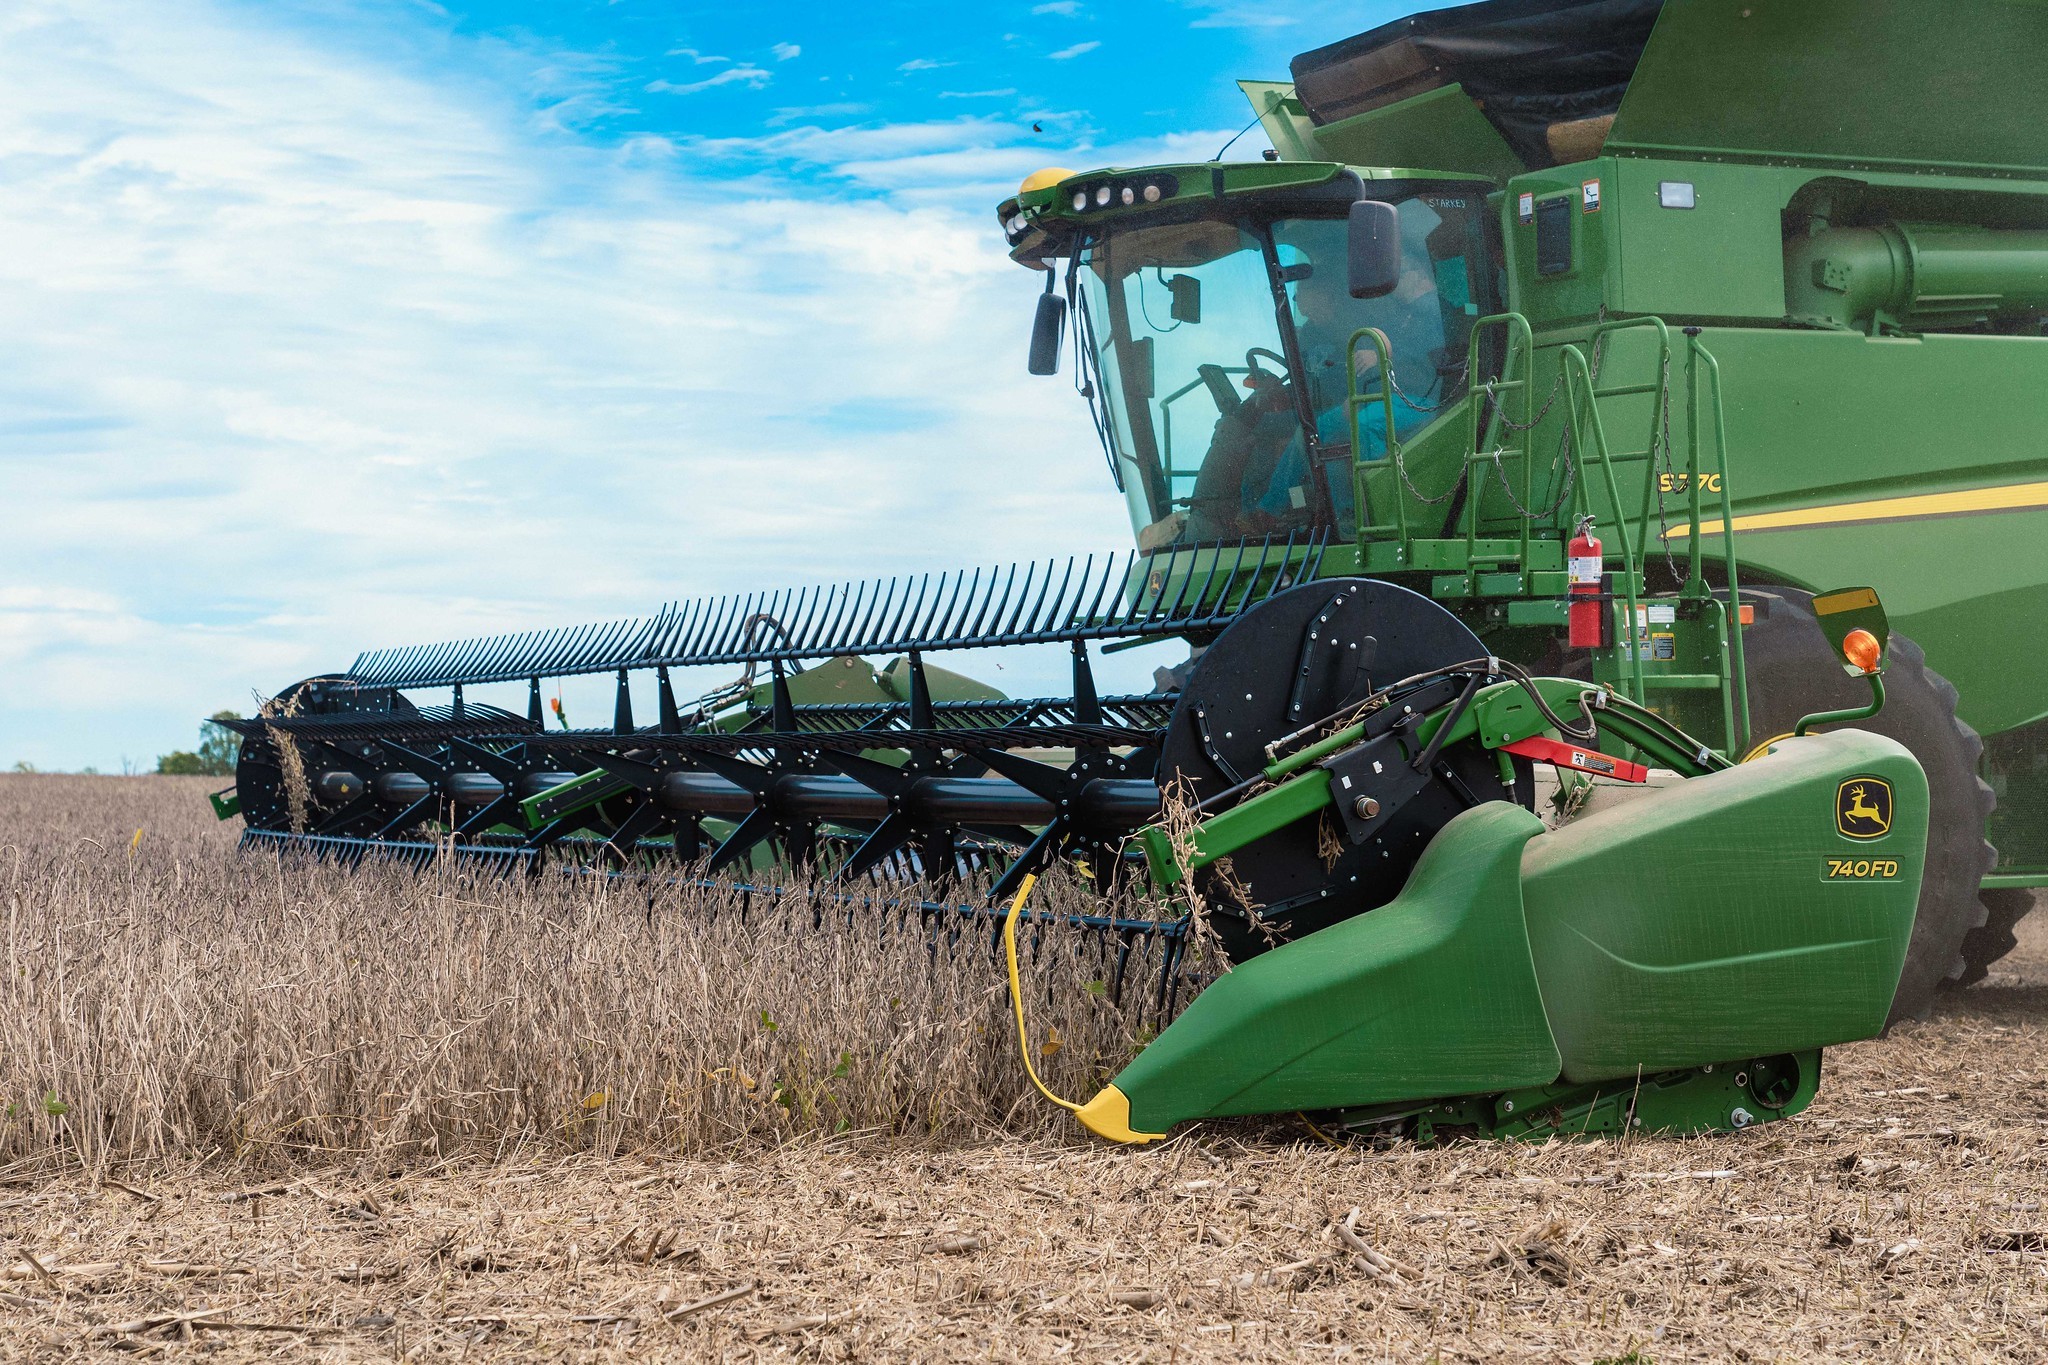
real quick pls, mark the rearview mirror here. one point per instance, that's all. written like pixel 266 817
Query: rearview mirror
pixel 1374 249
pixel 1185 292
pixel 1046 329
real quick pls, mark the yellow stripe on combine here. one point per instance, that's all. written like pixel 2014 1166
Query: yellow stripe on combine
pixel 2013 497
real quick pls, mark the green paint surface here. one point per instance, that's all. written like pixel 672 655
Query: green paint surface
pixel 1697 923
pixel 1431 994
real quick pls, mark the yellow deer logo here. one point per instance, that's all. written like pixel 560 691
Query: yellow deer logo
pixel 1863 808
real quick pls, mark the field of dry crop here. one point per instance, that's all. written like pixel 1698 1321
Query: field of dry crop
pixel 250 1110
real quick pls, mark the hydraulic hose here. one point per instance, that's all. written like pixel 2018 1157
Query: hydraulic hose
pixel 1017 992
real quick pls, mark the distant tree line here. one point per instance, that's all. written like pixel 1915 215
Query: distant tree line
pixel 219 750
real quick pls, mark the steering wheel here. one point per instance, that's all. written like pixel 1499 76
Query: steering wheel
pixel 1251 361
pixel 1220 504
pixel 1267 388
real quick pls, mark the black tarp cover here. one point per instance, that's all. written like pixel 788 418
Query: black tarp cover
pixel 1527 63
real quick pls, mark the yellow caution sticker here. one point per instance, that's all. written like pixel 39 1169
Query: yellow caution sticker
pixel 1848 599
pixel 1859 870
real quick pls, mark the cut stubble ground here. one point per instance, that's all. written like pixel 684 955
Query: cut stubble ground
pixel 261 1109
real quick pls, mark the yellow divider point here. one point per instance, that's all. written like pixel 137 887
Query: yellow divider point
pixel 1109 1113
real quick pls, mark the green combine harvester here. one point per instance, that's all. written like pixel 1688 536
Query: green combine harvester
pixel 1498 444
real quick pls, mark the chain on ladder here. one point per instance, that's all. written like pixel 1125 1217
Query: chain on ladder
pixel 1569 479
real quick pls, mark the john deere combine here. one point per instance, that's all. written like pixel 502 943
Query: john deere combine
pixel 1508 417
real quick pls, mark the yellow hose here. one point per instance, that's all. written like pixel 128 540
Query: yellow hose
pixel 1017 994
pixel 1321 1136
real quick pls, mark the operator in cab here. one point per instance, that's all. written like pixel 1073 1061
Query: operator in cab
pixel 1325 317
pixel 1257 477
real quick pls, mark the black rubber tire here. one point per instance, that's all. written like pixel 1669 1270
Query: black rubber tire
pixel 1794 672
pixel 2004 907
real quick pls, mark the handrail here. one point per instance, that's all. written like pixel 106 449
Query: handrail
pixel 1500 425
pixel 1736 700
pixel 1521 341
pixel 1659 388
pixel 1516 365
pixel 1354 405
pixel 1589 443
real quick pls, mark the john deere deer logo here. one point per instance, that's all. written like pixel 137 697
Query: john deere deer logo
pixel 1863 808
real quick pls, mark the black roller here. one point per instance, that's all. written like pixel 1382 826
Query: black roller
pixel 1305 655
pixel 260 780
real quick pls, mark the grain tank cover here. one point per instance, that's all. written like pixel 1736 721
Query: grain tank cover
pixel 1528 64
pixel 1954 87
pixel 1951 87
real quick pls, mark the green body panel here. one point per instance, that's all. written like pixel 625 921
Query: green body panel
pixel 1431 994
pixel 1440 128
pixel 1842 82
pixel 1722 258
pixel 1699 923
pixel 1819 419
pixel 1287 124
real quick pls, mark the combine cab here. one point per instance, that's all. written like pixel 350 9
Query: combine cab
pixel 1491 439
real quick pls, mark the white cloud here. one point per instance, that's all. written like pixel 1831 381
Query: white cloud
pixel 784 51
pixel 924 64
pixel 307 355
pixel 1077 50
pixel 977 94
pixel 782 118
pixel 701 58
pixel 1064 8
pixel 752 76
pixel 1243 18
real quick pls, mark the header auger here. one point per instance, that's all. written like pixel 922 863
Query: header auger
pixel 1498 434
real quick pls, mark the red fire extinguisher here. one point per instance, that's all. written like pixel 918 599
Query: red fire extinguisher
pixel 1585 568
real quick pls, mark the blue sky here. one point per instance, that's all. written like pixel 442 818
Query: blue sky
pixel 334 326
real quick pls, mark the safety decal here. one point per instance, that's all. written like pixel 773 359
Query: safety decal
pixel 1589 196
pixel 1863 808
